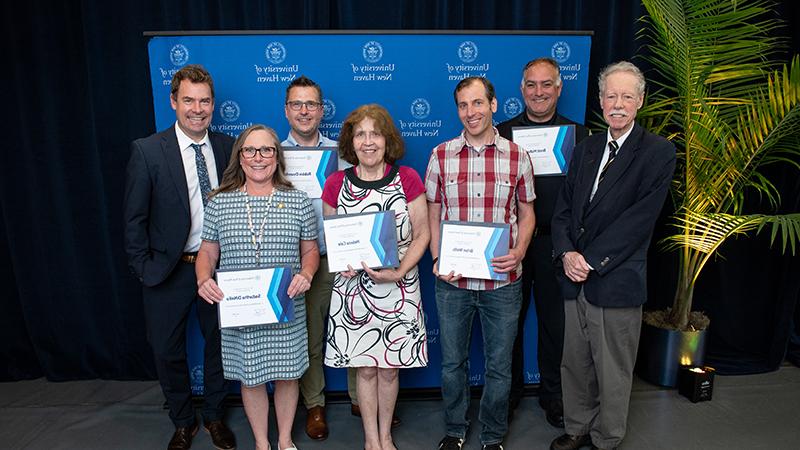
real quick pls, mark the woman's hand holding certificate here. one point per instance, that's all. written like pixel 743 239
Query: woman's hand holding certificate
pixel 354 240
pixel 209 291
pixel 257 296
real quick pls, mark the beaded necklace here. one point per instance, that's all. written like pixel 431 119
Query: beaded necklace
pixel 257 239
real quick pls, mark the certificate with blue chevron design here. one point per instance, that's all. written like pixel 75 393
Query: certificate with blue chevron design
pixel 255 297
pixel 467 248
pixel 368 237
pixel 308 168
pixel 550 147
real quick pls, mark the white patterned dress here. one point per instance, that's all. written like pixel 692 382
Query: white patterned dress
pixel 256 354
pixel 376 324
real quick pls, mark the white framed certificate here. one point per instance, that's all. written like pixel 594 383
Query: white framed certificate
pixel 550 147
pixel 368 237
pixel 308 167
pixel 467 248
pixel 255 296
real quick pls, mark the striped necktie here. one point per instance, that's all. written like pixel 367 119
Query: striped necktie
pixel 202 172
pixel 612 153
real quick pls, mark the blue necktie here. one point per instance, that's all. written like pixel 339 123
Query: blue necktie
pixel 202 172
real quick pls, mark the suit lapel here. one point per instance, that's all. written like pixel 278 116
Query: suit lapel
pixel 591 164
pixel 617 169
pixel 172 155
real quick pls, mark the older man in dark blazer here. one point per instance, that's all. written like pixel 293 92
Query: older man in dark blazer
pixel 168 178
pixel 602 226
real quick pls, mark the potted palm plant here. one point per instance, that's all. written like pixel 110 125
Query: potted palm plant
pixel 732 109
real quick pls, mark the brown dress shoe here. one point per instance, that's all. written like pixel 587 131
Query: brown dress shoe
pixel 316 426
pixel 221 436
pixel 570 442
pixel 356 411
pixel 182 438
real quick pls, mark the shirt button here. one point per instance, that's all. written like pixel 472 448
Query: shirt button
pixel 479 194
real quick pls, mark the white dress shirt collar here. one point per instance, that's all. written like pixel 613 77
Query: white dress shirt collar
pixel 185 141
pixel 620 140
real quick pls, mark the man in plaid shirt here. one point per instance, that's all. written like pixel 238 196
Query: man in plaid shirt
pixel 479 177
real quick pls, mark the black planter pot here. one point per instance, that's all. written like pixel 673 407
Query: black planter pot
pixel 662 352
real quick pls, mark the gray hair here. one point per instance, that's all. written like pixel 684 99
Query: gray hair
pixel 622 66
pixel 546 61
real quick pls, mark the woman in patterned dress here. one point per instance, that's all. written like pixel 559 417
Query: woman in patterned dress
pixel 257 219
pixel 376 322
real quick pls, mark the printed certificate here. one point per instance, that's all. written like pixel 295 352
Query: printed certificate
pixel 308 167
pixel 255 297
pixel 368 237
pixel 549 147
pixel 467 248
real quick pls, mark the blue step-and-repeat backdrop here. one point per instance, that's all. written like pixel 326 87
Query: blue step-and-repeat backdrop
pixel 411 74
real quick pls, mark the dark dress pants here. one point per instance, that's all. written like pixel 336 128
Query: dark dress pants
pixel 166 308
pixel 538 270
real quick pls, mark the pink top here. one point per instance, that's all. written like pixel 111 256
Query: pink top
pixel 412 185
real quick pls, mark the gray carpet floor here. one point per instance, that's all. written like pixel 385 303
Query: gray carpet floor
pixel 747 412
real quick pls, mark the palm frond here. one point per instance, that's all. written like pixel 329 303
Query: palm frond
pixel 705 233
pixel 732 109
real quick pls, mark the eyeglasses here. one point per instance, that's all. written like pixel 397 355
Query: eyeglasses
pixel 296 105
pixel 250 152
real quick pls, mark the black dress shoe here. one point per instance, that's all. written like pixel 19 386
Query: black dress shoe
pixel 182 438
pixel 570 442
pixel 221 436
pixel 356 411
pixel 594 447
pixel 553 412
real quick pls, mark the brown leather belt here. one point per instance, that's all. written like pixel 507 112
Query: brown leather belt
pixel 189 257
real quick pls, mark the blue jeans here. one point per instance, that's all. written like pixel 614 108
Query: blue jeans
pixel 498 311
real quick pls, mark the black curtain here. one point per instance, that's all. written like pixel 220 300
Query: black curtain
pixel 78 75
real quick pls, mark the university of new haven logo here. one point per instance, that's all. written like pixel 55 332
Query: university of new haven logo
pixel 420 108
pixel 328 109
pixel 179 54
pixel 512 107
pixel 467 51
pixel 372 51
pixel 275 52
pixel 229 111
pixel 560 51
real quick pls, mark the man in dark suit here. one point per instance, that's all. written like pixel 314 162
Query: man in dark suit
pixel 168 178
pixel 540 88
pixel 602 225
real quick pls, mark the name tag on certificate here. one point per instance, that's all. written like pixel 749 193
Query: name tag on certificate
pixel 368 237
pixel 255 297
pixel 549 147
pixel 467 248
pixel 308 167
